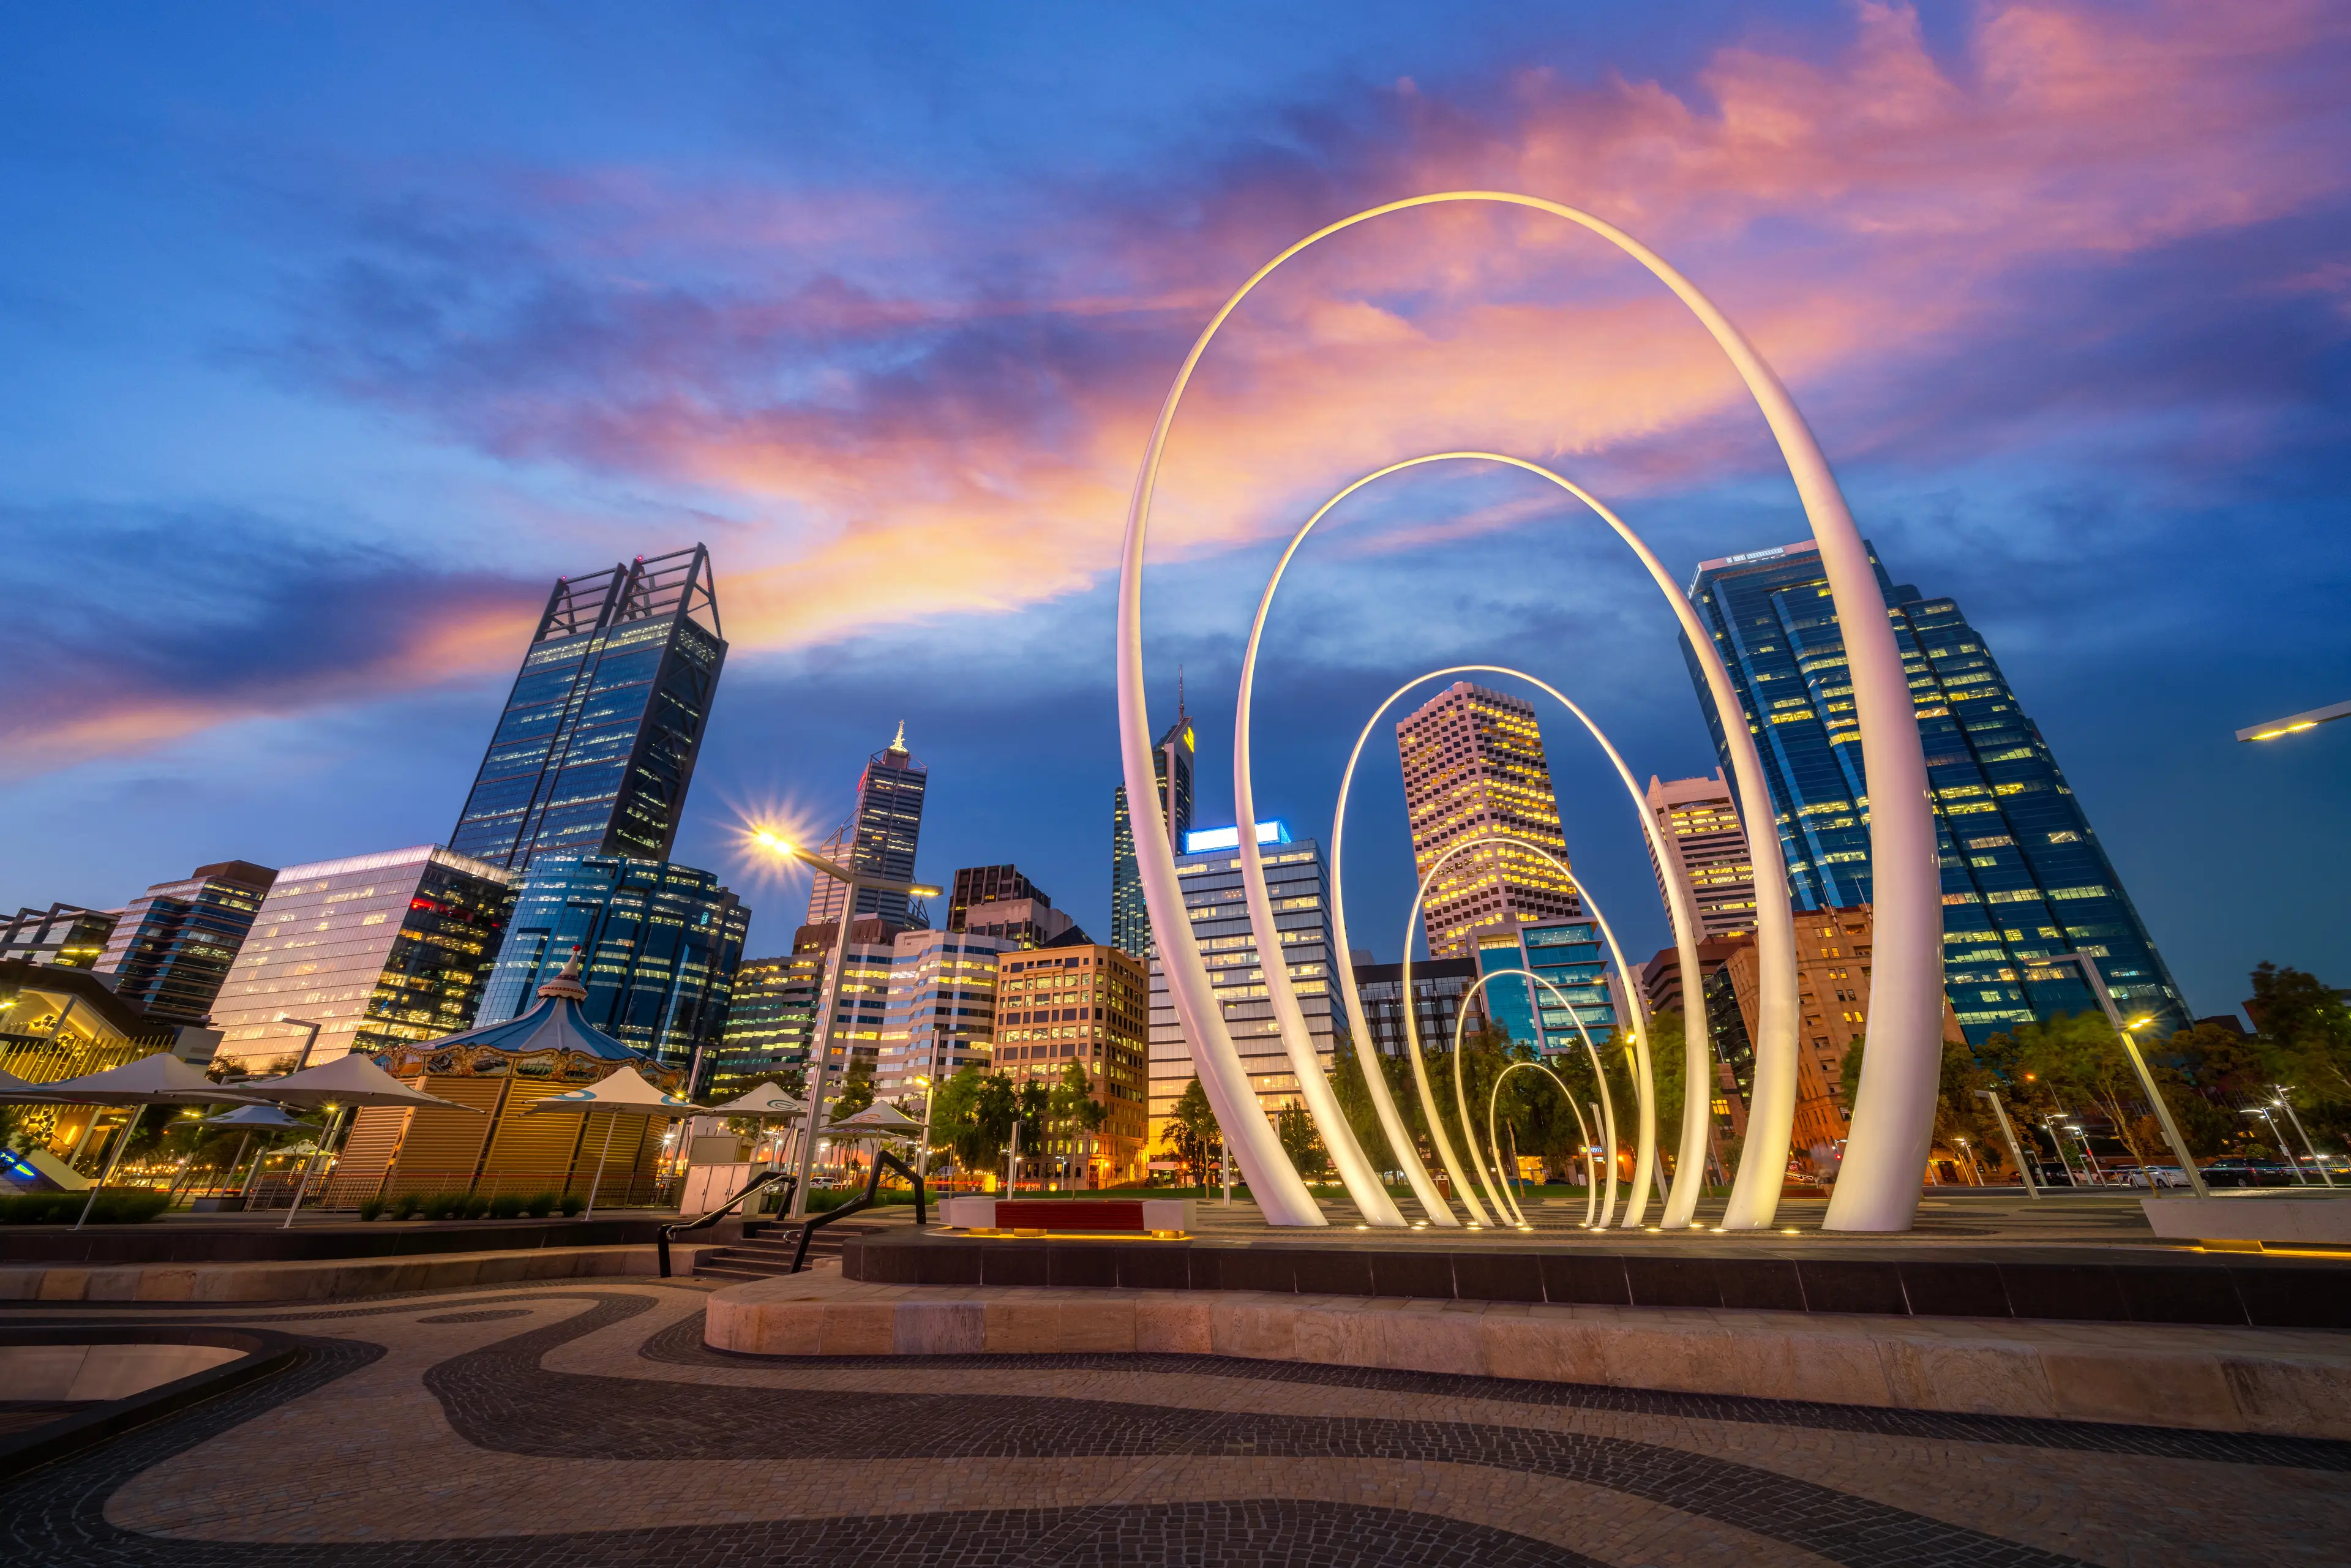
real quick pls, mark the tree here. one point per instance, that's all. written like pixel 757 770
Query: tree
pixel 1294 1125
pixel 972 1117
pixel 2079 1054
pixel 1071 1107
pixel 2308 1029
pixel 1192 1134
pixel 1959 1112
pixel 856 1088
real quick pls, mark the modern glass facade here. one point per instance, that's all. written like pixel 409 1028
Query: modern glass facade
pixel 64 934
pixel 659 945
pixel 1171 765
pixel 376 949
pixel 171 952
pixel 596 745
pixel 1218 907
pixel 940 1014
pixel 2024 876
pixel 767 1021
pixel 1438 986
pixel 878 839
pixel 1568 954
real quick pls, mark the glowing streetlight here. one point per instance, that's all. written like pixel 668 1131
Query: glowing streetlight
pixel 2286 1105
pixel 2125 1033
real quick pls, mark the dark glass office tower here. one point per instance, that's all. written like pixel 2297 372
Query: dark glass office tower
pixel 2024 876
pixel 879 838
pixel 1171 765
pixel 596 745
pixel 659 945
pixel 171 952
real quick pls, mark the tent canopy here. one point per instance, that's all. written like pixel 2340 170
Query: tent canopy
pixel 880 1120
pixel 15 1090
pixel 767 1099
pixel 624 1093
pixel 264 1116
pixel 162 1079
pixel 353 1080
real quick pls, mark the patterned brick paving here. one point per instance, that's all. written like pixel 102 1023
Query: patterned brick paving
pixel 563 1425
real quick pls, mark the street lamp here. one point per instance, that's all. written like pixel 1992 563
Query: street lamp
pixel 2277 1138
pixel 2286 1105
pixel 852 883
pixel 2126 1032
pixel 308 1039
pixel 2031 1188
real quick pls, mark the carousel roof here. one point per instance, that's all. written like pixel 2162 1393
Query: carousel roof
pixel 555 1024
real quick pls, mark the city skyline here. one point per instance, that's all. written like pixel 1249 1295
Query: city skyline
pixel 318 680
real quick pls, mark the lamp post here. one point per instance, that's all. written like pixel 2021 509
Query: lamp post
pixel 829 998
pixel 308 1041
pixel 2125 1033
pixel 922 1149
pixel 2031 1188
pixel 2279 1139
pixel 2286 1105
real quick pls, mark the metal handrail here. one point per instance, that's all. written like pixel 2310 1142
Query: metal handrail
pixel 758 1183
pixel 862 1200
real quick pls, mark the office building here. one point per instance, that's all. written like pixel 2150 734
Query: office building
pixel 64 934
pixel 1438 987
pixel 375 949
pixel 596 745
pixel 1570 955
pixel 1087 1004
pixel 1210 873
pixel 658 944
pixel 60 1021
pixel 169 953
pixel 861 1004
pixel 940 1015
pixel 767 1031
pixel 2024 876
pixel 1171 767
pixel 997 901
pixel 1474 768
pixel 1706 850
pixel 1666 990
pixel 878 839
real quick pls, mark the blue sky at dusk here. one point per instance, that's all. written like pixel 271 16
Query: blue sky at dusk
pixel 334 333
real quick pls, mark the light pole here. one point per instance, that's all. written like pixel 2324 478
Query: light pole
pixel 2279 1139
pixel 2124 1031
pixel 308 1041
pixel 829 996
pixel 2286 1105
pixel 922 1150
pixel 2031 1188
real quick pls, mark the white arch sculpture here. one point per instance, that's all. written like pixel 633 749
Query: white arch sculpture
pixel 1644 1078
pixel 1494 1137
pixel 1599 1076
pixel 1894 1110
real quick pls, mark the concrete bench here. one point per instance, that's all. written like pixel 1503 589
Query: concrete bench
pixel 1062 1215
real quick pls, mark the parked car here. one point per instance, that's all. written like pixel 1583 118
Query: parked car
pixel 2162 1175
pixel 2239 1171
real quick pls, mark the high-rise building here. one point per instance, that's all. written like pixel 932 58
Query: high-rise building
pixel 373 948
pixel 1734 1054
pixel 1474 768
pixel 1707 851
pixel 861 1003
pixel 64 934
pixel 1171 765
pixel 1438 987
pixel 940 1015
pixel 997 901
pixel 1087 1005
pixel 171 952
pixel 766 1024
pixel 1569 956
pixel 658 944
pixel 1210 874
pixel 878 839
pixel 596 745
pixel 2024 876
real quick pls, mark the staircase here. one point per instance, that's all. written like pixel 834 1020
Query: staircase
pixel 766 1248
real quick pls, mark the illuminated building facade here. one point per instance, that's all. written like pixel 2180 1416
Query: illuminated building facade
pixel 997 901
pixel 940 1014
pixel 1474 768
pixel 2024 876
pixel 1171 765
pixel 768 1017
pixel 1438 986
pixel 171 952
pixel 1706 850
pixel 376 949
pixel 658 944
pixel 64 934
pixel 1214 898
pixel 878 839
pixel 1567 953
pixel 596 745
pixel 1088 1005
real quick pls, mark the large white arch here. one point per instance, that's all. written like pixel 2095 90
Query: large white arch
pixel 1698 1063
pixel 1892 1119
pixel 1599 1076
pixel 1644 1078
pixel 1493 1133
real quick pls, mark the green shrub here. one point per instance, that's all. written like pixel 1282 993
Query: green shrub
pixel 571 1203
pixel 373 1209
pixel 540 1205
pixel 405 1206
pixel 132 1206
pixel 505 1206
pixel 476 1206
pixel 442 1205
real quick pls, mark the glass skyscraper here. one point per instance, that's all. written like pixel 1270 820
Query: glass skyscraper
pixel 171 951
pixel 596 745
pixel 878 839
pixel 1171 765
pixel 658 944
pixel 2024 876
pixel 1568 954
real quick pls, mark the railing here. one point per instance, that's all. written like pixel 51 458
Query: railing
pixel 763 1181
pixel 882 1160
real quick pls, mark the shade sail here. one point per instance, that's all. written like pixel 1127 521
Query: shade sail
pixel 162 1079
pixel 875 1121
pixel 15 1090
pixel 767 1099
pixel 623 1094
pixel 353 1080
pixel 267 1118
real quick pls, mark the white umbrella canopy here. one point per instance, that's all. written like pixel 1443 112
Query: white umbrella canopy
pixel 353 1080
pixel 624 1093
pixel 880 1119
pixel 162 1079
pixel 272 1117
pixel 767 1099
pixel 15 1090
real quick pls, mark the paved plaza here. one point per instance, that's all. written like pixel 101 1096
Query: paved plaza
pixel 586 1423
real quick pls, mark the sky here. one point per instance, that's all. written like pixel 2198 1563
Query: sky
pixel 334 333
